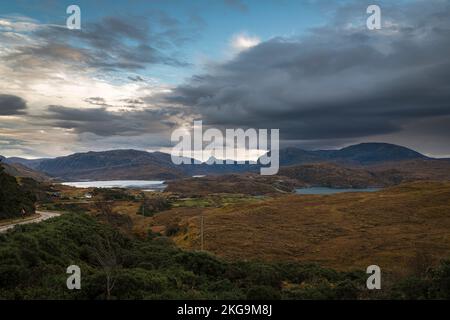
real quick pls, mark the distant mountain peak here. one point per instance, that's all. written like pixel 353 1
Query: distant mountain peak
pixel 373 152
pixel 376 145
pixel 139 164
pixel 361 154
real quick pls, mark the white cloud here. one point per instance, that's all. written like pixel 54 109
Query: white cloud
pixel 243 41
pixel 43 81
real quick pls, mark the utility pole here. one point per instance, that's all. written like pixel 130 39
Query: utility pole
pixel 143 204
pixel 201 232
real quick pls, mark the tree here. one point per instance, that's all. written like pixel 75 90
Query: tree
pixel 106 256
pixel 152 205
pixel 13 198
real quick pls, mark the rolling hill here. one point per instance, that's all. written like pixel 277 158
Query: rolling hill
pixel 371 153
pixel 360 154
pixel 332 175
pixel 30 163
pixel 122 165
pixel 19 170
pixel 249 184
pixel 140 165
pixel 389 228
pixel 112 165
pixel 378 175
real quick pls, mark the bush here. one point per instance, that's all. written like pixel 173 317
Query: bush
pixel 263 293
pixel 172 230
pixel 13 197
pixel 108 194
pixel 34 258
pixel 150 206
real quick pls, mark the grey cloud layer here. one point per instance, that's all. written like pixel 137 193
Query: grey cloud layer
pixel 12 105
pixel 113 43
pixel 341 81
pixel 44 60
pixel 102 122
pixel 337 85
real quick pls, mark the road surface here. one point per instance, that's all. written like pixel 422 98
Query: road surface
pixel 43 215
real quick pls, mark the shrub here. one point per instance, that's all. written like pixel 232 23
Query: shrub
pixel 150 206
pixel 13 197
pixel 263 293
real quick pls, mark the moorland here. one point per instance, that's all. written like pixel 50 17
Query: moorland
pixel 260 238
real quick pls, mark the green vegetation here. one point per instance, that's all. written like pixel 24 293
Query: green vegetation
pixel 34 258
pixel 65 207
pixel 108 194
pixel 152 205
pixel 13 197
pixel 434 285
pixel 216 200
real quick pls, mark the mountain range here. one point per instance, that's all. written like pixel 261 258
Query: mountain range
pixel 142 165
pixel 360 154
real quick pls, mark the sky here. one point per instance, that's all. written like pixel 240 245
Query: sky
pixel 138 70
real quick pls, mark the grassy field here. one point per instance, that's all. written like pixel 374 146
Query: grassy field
pixel 399 229
pixel 402 229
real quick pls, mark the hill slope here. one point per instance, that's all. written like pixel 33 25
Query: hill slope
pixel 370 153
pixel 18 170
pixel 332 175
pixel 13 197
pixel 383 174
pixel 388 228
pixel 112 165
pixel 139 165
pixel 360 154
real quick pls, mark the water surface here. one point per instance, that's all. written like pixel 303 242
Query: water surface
pixel 128 184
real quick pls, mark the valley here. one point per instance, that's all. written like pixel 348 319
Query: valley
pixel 402 224
pixel 344 231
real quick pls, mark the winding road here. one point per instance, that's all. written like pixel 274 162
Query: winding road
pixel 43 215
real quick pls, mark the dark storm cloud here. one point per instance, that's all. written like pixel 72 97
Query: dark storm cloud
pixel 341 81
pixel 102 122
pixel 12 105
pixel 113 43
pixel 81 115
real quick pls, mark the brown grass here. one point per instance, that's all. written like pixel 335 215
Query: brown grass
pixel 390 228
pixel 402 229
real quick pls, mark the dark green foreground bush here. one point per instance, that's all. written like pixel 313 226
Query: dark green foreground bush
pixel 13 197
pixel 34 258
